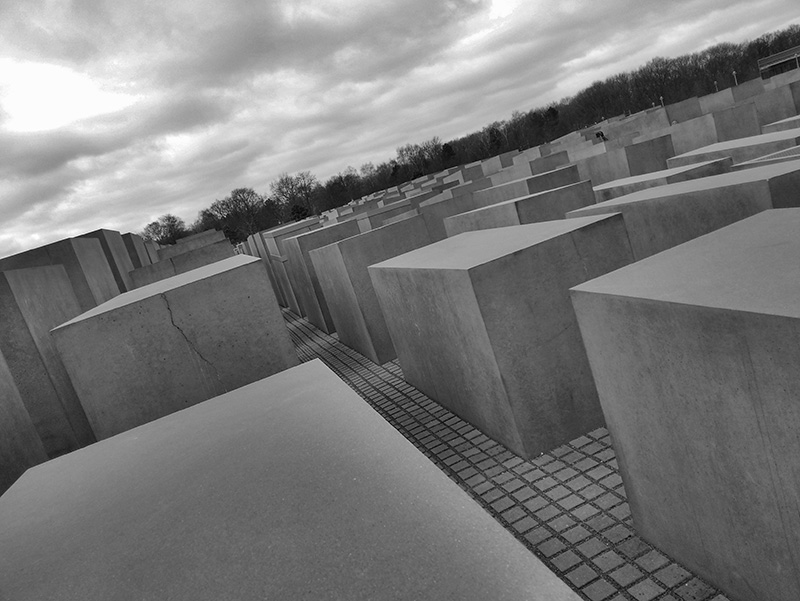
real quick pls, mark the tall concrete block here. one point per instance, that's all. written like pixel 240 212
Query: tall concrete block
pixel 274 237
pixel 116 255
pixel 740 150
pixel 695 356
pixel 263 254
pixel 304 278
pixel 663 217
pixel 436 211
pixel 684 111
pixel 152 250
pixel 83 259
pixel 549 162
pixel 629 185
pixel 32 302
pixel 542 206
pixel 20 445
pixel 174 343
pixel 602 168
pixel 288 488
pixel 279 268
pixel 136 250
pixel 782 125
pixel 774 105
pixel 345 282
pixel 650 155
pixel 482 323
pixel 181 263
pixel 736 122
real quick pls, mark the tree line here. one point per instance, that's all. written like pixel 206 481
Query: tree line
pixel 660 81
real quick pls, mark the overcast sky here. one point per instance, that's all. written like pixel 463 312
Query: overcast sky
pixel 114 113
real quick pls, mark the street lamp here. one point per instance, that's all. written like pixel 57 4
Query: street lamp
pixel 735 81
pixel 716 87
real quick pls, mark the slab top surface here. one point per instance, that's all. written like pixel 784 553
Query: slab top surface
pixel 288 488
pixel 733 178
pixel 752 265
pixel 165 285
pixel 290 227
pixel 776 136
pixel 471 249
pixel 664 173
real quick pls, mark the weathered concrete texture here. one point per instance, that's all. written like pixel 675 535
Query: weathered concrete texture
pixel 136 250
pixel 289 488
pixel 188 243
pixel 345 282
pixel 376 217
pixel 740 150
pixel 181 263
pixel 650 155
pixel 717 101
pixel 684 111
pixel 663 217
pixel 435 213
pixel 542 206
pixel 549 163
pixel 116 255
pixel 303 277
pixel 32 302
pixel 774 105
pixel 84 261
pixel 605 167
pixel 163 347
pixel 629 185
pixel 695 356
pixel 790 154
pixel 20 445
pixel 274 237
pixel 482 324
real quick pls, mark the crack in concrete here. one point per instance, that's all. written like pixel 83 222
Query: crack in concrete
pixel 189 342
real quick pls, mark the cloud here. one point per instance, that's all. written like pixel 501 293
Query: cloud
pixel 231 94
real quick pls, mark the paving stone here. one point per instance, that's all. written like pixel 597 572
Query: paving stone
pixel 581 575
pixel 671 575
pixel 608 561
pixel 626 574
pixel 599 590
pixel 565 560
pixel 646 590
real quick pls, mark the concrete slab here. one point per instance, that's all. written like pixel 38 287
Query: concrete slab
pixel 542 206
pixel 650 155
pixel 289 488
pixel 782 125
pixel 303 276
pixel 136 250
pixel 174 343
pixel 281 272
pixel 695 356
pixel 736 122
pixel 181 263
pixel 740 150
pixel 263 254
pixel 188 243
pixel 343 276
pixel 84 261
pixel 20 445
pixel 116 255
pixel 32 302
pixel 435 212
pixel 152 250
pixel 629 185
pixel 663 217
pixel 481 323
pixel 274 237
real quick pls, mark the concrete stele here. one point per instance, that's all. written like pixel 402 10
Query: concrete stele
pixel 663 217
pixel 116 255
pixel 343 274
pixel 288 488
pixel 136 250
pixel 84 261
pixel 32 302
pixel 481 323
pixel 174 343
pixel 181 263
pixel 740 150
pixel 695 356
pixel 302 275
pixel 188 243
pixel 20 445
pixel 542 206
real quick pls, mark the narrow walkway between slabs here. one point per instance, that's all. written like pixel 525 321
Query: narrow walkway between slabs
pixel 567 506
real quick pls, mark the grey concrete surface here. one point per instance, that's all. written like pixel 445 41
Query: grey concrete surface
pixel 181 263
pixel 342 268
pixel 116 254
pixel 174 343
pixel 288 488
pixel 188 243
pixel 695 356
pixel 481 323
pixel 32 302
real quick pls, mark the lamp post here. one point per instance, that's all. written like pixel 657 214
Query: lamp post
pixel 662 101
pixel 735 81
pixel 716 87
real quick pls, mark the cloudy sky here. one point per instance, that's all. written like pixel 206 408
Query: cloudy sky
pixel 114 113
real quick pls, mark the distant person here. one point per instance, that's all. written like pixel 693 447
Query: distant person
pixel 602 136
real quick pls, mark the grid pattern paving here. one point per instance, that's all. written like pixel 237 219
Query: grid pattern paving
pixel 567 506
